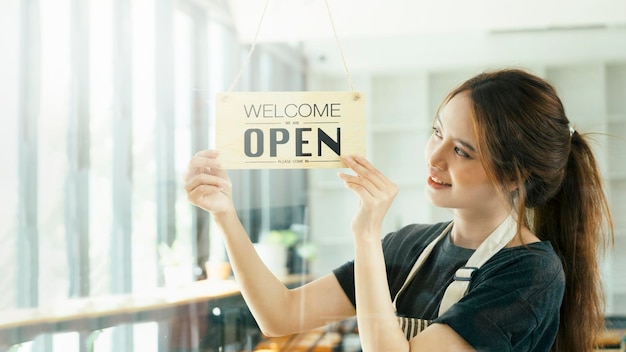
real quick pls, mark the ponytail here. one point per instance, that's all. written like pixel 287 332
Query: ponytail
pixel 578 223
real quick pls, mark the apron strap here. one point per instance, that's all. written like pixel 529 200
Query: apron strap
pixel 499 238
pixel 425 253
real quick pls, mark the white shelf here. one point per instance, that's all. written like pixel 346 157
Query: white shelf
pixel 617 121
pixel 616 90
pixel 397 98
pixel 581 89
pixel 616 146
pixel 616 117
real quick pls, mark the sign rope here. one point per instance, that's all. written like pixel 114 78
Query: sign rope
pixel 247 61
pixel 343 59
pixel 256 36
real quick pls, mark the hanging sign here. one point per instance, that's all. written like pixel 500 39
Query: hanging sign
pixel 289 130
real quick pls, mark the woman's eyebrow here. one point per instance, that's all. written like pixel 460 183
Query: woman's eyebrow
pixel 461 141
pixel 438 119
pixel 466 145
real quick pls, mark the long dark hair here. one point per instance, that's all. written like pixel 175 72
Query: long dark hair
pixel 526 140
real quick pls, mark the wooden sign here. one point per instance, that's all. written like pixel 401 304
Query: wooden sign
pixel 289 130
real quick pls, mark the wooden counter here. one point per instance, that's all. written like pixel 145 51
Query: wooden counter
pixel 96 313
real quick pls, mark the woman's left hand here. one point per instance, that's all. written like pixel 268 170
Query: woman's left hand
pixel 376 193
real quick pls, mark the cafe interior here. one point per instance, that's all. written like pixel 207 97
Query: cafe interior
pixel 104 103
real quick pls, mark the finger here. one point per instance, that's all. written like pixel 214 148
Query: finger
pixel 206 158
pixel 363 162
pixel 359 165
pixel 368 177
pixel 361 185
pixel 208 153
pixel 198 194
pixel 209 181
pixel 207 162
pixel 365 169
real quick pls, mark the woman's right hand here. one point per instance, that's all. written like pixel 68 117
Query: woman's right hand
pixel 207 184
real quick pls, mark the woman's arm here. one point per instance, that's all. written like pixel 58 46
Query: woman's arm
pixel 278 310
pixel 378 326
pixel 379 329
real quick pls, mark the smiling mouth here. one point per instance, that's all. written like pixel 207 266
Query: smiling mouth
pixel 439 181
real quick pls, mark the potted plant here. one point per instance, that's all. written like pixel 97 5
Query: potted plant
pixel 175 262
pixel 284 251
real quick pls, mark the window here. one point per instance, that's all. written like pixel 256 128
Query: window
pixel 110 98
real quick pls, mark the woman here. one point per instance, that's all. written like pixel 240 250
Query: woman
pixel 515 270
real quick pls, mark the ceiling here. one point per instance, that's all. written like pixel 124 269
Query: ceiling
pixel 304 20
pixel 367 27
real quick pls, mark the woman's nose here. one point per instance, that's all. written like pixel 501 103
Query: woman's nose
pixel 436 158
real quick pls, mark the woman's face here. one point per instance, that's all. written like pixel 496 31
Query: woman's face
pixel 456 176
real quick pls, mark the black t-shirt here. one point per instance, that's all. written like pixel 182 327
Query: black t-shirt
pixel 513 301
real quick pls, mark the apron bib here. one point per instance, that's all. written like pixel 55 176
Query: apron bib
pixel 499 238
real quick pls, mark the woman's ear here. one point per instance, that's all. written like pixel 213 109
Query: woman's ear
pixel 513 185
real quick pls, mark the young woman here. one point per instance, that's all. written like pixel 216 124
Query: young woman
pixel 515 270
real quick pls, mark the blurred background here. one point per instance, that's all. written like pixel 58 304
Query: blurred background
pixel 103 102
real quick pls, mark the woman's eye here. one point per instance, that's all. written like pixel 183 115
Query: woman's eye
pixel 460 152
pixel 436 132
